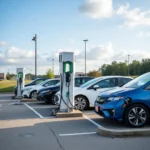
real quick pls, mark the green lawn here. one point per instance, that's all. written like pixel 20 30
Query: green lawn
pixel 8 85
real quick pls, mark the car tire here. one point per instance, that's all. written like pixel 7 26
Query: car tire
pixel 136 115
pixel 33 95
pixel 81 103
pixel 53 99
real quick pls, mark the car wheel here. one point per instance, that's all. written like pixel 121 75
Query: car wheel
pixel 53 99
pixel 81 103
pixel 34 95
pixel 136 115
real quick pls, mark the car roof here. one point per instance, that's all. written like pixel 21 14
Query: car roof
pixel 104 77
pixel 84 77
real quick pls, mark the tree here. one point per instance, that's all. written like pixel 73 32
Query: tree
pixel 50 74
pixel 94 73
pixel 8 77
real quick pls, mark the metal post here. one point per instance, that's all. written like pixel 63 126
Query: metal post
pixel 128 64
pixel 35 39
pixel 85 55
pixel 53 65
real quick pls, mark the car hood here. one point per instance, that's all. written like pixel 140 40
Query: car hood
pixel 29 87
pixel 116 91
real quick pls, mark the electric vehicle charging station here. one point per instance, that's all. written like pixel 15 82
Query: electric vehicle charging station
pixel 67 69
pixel 20 81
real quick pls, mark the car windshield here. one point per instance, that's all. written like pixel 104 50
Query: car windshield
pixel 43 82
pixel 90 82
pixel 57 84
pixel 138 82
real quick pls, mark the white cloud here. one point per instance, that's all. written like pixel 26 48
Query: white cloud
pixel 134 17
pixel 98 52
pixel 97 8
pixel 3 43
pixel 143 34
pixel 16 53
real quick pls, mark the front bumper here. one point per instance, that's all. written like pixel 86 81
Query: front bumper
pixel 43 96
pixel 112 110
pixel 26 94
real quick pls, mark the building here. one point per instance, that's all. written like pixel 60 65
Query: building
pixel 2 76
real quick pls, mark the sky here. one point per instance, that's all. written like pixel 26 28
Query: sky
pixel 114 29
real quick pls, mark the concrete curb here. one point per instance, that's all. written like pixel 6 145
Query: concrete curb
pixel 121 133
pixel 75 113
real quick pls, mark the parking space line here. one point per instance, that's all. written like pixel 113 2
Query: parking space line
pixel 34 111
pixel 95 123
pixel 73 134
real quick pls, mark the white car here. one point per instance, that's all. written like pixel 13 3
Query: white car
pixel 31 92
pixel 86 94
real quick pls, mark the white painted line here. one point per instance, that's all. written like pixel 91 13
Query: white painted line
pixel 34 111
pixel 95 123
pixel 73 134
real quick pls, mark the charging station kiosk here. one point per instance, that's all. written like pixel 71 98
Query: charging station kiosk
pixel 67 71
pixel 67 68
pixel 20 81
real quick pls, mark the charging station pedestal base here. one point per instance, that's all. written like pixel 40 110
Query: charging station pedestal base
pixel 73 113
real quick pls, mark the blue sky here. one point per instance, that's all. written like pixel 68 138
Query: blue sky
pixel 122 28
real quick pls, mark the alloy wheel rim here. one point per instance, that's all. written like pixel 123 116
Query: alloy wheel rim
pixel 34 95
pixel 137 116
pixel 54 100
pixel 80 103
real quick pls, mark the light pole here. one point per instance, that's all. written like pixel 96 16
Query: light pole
pixel 128 64
pixel 85 54
pixel 35 39
pixel 53 65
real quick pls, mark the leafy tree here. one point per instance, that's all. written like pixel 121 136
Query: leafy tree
pixel 50 74
pixel 8 77
pixel 94 73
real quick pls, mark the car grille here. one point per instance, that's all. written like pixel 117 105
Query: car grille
pixel 101 100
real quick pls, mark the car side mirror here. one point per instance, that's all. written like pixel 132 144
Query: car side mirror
pixel 45 85
pixel 96 87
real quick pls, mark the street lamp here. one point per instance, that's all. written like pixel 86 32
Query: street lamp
pixel 85 55
pixel 35 39
pixel 53 65
pixel 128 64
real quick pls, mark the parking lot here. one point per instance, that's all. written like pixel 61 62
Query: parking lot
pixel 29 125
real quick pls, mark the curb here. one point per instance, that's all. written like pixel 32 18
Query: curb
pixel 121 133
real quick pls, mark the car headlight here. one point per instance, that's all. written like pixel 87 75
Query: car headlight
pixel 45 91
pixel 115 98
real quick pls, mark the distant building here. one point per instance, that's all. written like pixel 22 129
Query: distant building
pixel 79 74
pixel 2 76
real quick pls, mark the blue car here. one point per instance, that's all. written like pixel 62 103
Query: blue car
pixel 129 103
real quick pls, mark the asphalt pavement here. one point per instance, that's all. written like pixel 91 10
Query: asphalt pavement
pixel 29 126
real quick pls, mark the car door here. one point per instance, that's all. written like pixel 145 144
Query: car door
pixel 103 85
pixel 52 82
pixel 146 94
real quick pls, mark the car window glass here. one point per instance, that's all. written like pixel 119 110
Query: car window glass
pixel 77 81
pixel 106 83
pixel 33 83
pixel 90 82
pixel 39 81
pixel 148 87
pixel 122 81
pixel 139 81
pixel 51 83
pixel 83 80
